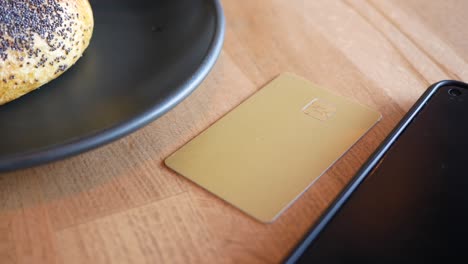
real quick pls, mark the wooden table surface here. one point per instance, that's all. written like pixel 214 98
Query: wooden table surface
pixel 120 204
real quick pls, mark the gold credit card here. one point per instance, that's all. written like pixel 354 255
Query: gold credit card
pixel 266 152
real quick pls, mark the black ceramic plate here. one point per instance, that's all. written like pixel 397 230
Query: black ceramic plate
pixel 144 58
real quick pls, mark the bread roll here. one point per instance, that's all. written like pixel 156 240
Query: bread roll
pixel 39 40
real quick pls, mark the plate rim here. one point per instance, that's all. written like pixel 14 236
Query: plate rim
pixel 116 132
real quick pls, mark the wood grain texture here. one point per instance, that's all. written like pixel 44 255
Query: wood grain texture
pixel 120 204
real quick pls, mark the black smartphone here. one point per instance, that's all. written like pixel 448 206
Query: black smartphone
pixel 409 202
